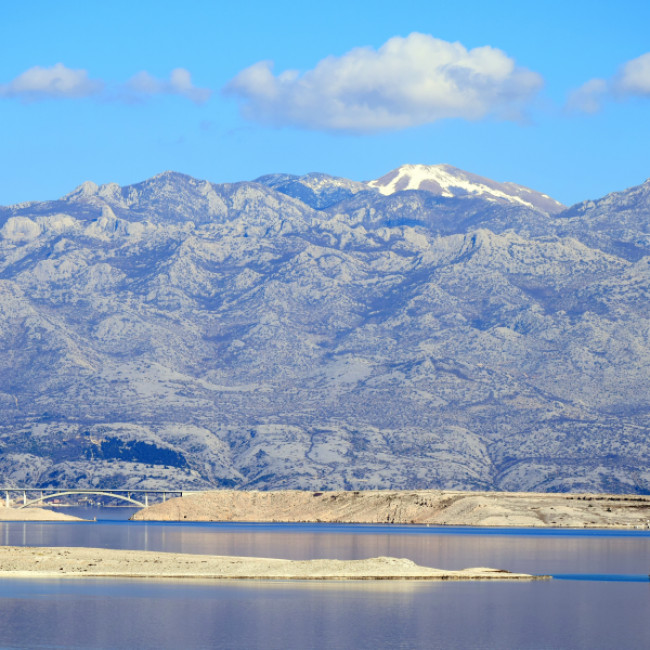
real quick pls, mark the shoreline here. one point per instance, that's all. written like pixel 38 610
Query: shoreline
pixel 35 514
pixel 82 562
pixel 439 508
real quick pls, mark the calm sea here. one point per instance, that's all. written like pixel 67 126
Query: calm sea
pixel 602 599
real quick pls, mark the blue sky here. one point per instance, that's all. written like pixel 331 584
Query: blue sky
pixel 552 95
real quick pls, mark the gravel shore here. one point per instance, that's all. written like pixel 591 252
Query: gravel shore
pixel 57 562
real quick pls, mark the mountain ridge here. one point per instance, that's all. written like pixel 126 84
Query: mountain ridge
pixel 181 332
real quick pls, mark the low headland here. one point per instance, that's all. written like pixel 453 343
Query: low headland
pixel 53 562
pixel 33 514
pixel 432 507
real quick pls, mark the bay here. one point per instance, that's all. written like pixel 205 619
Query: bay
pixel 600 607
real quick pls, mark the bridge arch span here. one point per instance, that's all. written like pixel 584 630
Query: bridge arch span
pixel 111 495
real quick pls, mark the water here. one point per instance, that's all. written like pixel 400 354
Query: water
pixel 529 551
pixel 603 604
pixel 110 614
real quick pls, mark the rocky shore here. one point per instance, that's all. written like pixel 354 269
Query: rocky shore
pixel 434 507
pixel 22 562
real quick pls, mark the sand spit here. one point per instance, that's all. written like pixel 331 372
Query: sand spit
pixel 435 507
pixel 33 514
pixel 23 562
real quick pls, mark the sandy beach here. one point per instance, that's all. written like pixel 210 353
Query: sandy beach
pixel 58 562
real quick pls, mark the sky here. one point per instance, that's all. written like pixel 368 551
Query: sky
pixel 553 95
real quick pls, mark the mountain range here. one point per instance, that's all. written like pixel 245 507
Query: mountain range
pixel 427 329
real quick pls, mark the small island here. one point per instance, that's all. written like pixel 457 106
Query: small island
pixel 59 562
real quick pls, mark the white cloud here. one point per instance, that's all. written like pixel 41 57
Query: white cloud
pixel 588 98
pixel 56 82
pixel 406 82
pixel 634 77
pixel 60 82
pixel 631 80
pixel 180 83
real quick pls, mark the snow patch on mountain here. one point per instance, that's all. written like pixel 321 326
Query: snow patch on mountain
pixel 450 182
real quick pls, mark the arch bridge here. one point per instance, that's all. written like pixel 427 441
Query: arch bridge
pixel 38 496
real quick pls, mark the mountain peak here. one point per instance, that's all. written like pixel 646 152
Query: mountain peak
pixel 451 182
pixel 85 190
pixel 170 175
pixel 316 189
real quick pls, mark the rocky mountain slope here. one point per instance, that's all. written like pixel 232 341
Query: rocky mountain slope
pixel 314 332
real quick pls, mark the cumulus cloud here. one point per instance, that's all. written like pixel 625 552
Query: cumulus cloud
pixel 144 85
pixel 408 81
pixel 57 82
pixel 631 80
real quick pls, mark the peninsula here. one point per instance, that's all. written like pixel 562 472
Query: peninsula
pixel 33 514
pixel 433 507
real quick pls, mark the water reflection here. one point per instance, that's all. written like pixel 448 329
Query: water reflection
pixel 522 552
pixel 202 614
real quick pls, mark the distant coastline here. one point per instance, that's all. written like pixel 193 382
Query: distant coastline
pixel 424 507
